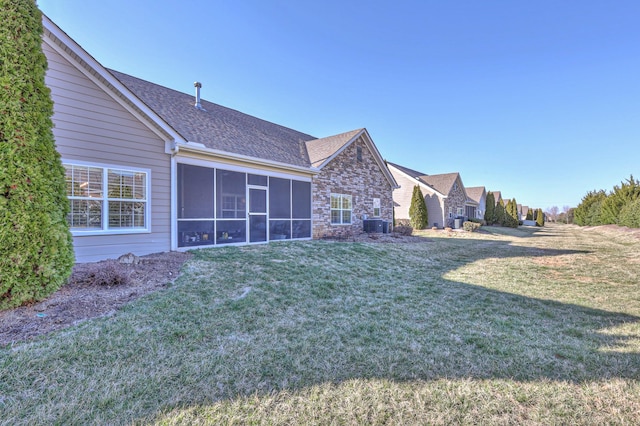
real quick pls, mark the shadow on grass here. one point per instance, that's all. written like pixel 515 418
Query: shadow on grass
pixel 253 320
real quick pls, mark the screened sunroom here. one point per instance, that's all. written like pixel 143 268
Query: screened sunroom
pixel 227 205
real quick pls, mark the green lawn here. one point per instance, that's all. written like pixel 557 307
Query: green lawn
pixel 534 326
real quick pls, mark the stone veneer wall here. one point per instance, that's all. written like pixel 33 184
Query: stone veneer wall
pixel 363 180
pixel 455 199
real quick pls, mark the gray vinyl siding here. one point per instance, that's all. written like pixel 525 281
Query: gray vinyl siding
pixel 92 127
pixel 402 195
pixel 402 199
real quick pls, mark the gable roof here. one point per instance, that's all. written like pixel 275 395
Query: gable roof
pixel 497 196
pixel 172 115
pixel 476 192
pixel 221 128
pixel 65 46
pixel 224 129
pixel 442 183
pixel 419 177
pixel 321 151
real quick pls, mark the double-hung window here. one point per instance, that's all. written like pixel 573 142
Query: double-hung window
pixel 107 199
pixel 340 209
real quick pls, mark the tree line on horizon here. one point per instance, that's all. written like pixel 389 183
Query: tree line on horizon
pixel 620 206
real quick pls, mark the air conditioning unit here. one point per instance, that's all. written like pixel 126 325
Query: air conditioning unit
pixel 373 225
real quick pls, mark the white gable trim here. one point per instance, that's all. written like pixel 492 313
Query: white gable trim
pixel 65 46
pixel 420 183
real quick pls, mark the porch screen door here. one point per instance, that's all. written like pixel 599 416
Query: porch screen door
pixel 257 215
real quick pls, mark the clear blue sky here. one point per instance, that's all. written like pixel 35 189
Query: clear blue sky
pixel 539 100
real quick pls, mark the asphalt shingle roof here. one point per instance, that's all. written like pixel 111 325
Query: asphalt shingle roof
pixel 222 128
pixel 441 183
pixel 320 150
pixel 475 193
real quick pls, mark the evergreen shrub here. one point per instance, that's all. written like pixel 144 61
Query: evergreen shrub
pixel 36 252
pixel 630 214
pixel 418 210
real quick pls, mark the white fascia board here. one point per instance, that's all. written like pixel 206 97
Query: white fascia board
pixel 199 148
pixel 94 71
pixel 421 184
pixel 381 163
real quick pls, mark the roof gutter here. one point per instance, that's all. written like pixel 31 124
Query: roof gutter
pixel 199 148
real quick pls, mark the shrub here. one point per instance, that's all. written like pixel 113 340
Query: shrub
pixel 106 273
pixel 403 222
pixel 620 196
pixel 499 214
pixel 490 208
pixel 418 210
pixel 539 218
pixel 630 214
pixel 470 226
pixel 36 251
pixel 403 230
pixel 511 214
pixel 588 211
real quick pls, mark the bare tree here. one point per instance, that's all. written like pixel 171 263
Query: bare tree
pixel 552 213
pixel 565 210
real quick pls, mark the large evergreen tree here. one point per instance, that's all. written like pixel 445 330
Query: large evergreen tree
pixel 36 252
pixel 511 218
pixel 418 214
pixel 588 212
pixel 627 192
pixel 490 208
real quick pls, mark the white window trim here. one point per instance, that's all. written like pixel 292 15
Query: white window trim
pixel 376 205
pixel 460 211
pixel 341 223
pixel 77 232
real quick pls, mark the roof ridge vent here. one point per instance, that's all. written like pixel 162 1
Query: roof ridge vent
pixel 198 86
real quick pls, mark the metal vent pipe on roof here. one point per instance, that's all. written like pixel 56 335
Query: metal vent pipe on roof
pixel 198 85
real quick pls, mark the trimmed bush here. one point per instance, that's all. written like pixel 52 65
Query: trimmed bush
pixel 470 226
pixel 498 214
pixel 490 208
pixel 539 217
pixel 106 273
pixel 418 210
pixel 403 230
pixel 36 252
pixel 511 214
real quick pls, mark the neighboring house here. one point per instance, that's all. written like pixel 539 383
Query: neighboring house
pixel 478 194
pixel 444 195
pixel 497 196
pixel 151 169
